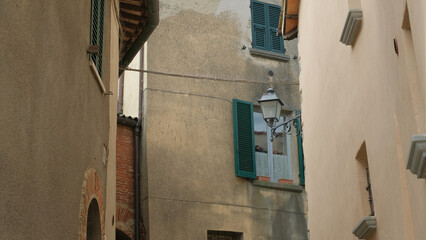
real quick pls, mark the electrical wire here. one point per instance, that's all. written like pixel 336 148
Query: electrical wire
pixel 190 94
pixel 225 204
pixel 295 83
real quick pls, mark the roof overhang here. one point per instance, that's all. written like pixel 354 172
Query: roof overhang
pixel 138 19
pixel 289 19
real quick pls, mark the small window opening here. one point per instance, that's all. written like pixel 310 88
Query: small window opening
pixel 365 181
pixel 224 235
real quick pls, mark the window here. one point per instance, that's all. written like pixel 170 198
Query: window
pixel 96 32
pixel 251 140
pixel 282 165
pixel 223 235
pixel 367 206
pixel 265 18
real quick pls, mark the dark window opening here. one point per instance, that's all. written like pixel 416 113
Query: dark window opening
pixel 93 222
pixel 224 235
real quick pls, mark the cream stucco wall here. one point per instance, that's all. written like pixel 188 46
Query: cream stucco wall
pixel 131 80
pixel 54 120
pixel 188 179
pixel 365 92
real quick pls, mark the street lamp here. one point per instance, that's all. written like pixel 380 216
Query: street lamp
pixel 271 109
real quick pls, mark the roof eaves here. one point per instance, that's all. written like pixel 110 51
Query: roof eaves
pixel 152 22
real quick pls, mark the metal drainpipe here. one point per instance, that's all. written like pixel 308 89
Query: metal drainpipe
pixel 136 132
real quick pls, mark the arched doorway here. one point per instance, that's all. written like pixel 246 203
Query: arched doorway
pixel 93 222
pixel 91 207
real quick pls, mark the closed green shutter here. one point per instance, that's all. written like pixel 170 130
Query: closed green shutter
pixel 258 16
pixel 245 164
pixel 265 18
pixel 276 42
pixel 300 151
pixel 97 31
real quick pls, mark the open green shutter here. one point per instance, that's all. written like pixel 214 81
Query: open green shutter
pixel 96 31
pixel 245 163
pixel 101 35
pixel 276 42
pixel 300 151
pixel 258 16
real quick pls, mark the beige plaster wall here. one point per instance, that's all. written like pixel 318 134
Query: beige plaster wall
pixel 188 177
pixel 365 92
pixel 54 120
pixel 131 88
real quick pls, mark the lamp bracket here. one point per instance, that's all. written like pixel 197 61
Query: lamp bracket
pixel 287 127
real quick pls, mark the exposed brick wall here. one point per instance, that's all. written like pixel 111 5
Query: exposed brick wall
pixel 125 180
pixel 91 189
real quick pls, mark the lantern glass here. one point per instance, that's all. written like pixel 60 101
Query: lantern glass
pixel 271 110
pixel 271 107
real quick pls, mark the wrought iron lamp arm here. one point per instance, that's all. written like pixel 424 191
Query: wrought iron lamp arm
pixel 287 127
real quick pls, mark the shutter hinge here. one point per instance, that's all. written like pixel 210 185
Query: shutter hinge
pixel 93 49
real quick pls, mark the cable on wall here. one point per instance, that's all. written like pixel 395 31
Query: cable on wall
pixel 190 94
pixel 295 83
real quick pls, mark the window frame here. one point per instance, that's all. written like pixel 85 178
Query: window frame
pixel 253 174
pixel 268 29
pixel 287 148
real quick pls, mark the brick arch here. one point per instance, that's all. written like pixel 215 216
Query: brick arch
pixel 125 220
pixel 91 189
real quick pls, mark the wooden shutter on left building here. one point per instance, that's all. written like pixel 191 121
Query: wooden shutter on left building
pixel 245 163
pixel 97 31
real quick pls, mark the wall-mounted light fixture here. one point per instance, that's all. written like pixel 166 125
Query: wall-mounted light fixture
pixel 271 110
pixel 416 161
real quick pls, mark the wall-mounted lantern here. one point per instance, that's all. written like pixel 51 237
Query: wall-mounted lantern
pixel 271 110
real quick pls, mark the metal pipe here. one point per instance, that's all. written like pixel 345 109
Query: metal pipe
pixel 270 155
pixel 120 94
pixel 137 154
pixel 136 132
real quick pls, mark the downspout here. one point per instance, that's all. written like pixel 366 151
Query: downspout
pixel 137 155
pixel 152 22
pixel 136 133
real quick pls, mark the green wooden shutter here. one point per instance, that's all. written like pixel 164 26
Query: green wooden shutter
pixel 300 151
pixel 275 42
pixel 97 31
pixel 245 163
pixel 258 16
pixel 265 18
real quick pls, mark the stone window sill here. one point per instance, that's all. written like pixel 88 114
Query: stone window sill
pixel 365 227
pixel 268 54
pixel 279 186
pixel 98 78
